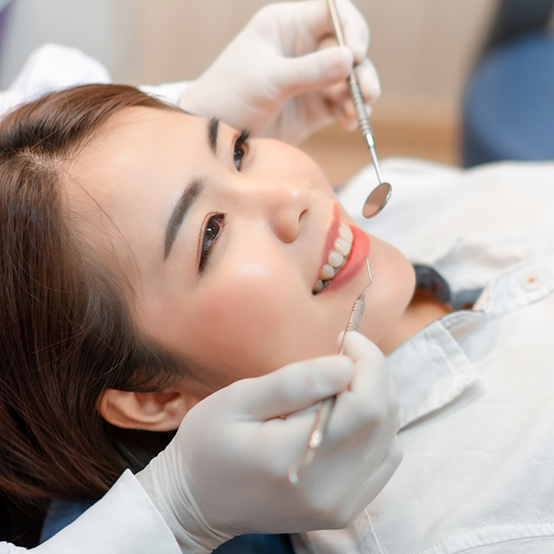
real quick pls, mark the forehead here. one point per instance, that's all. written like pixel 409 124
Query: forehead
pixel 131 172
pixel 138 137
pixel 141 152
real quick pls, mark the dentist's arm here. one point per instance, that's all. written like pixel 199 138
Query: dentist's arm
pixel 124 521
pixel 226 472
pixel 275 79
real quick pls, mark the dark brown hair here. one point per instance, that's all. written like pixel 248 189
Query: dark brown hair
pixel 66 334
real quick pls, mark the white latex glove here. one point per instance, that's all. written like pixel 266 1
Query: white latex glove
pixel 226 471
pixel 273 79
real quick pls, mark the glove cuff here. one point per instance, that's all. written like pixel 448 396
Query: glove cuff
pixel 193 534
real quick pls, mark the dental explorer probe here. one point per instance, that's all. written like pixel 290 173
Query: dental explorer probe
pixel 380 195
pixel 324 413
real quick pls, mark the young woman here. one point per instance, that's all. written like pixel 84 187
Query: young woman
pixel 168 255
pixel 287 66
pixel 95 341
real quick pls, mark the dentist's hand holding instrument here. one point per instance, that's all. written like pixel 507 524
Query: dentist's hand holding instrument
pixel 275 79
pixel 234 479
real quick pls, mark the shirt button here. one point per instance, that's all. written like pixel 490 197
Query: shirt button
pixel 530 280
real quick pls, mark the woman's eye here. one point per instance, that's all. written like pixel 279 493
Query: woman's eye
pixel 240 149
pixel 211 233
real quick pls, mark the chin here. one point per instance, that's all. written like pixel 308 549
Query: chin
pixel 391 291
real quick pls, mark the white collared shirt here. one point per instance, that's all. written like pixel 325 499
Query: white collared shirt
pixel 477 386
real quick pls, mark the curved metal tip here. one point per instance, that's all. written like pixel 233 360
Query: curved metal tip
pixel 368 271
pixel 370 277
pixel 377 200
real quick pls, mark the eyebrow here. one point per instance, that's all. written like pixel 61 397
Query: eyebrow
pixel 190 194
pixel 213 128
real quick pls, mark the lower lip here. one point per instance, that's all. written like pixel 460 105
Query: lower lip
pixel 360 247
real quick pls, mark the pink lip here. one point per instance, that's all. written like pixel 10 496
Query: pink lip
pixel 361 246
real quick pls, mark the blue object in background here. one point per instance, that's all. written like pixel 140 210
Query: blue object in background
pixel 508 104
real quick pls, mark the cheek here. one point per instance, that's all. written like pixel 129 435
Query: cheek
pixel 246 315
pixel 257 318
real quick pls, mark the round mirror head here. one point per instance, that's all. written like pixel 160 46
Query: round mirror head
pixel 377 200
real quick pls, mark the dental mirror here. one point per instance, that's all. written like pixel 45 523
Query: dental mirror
pixel 377 200
pixel 380 195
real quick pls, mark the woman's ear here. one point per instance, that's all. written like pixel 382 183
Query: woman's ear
pixel 149 411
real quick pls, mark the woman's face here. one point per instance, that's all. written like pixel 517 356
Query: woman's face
pixel 224 242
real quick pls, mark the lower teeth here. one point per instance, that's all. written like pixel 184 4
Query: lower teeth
pixel 327 281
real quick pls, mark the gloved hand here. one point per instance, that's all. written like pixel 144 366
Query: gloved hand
pixel 226 471
pixel 272 80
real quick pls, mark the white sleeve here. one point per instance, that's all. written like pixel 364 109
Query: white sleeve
pixel 125 521
pixel 53 67
pixel 49 68
pixel 6 548
pixel 169 92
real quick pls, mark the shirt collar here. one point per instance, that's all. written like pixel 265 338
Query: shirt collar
pixel 435 366
pixel 429 370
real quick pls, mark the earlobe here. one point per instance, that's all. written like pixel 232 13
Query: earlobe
pixel 149 411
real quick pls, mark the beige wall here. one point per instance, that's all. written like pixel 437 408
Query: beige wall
pixel 422 48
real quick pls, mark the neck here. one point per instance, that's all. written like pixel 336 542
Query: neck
pixel 423 309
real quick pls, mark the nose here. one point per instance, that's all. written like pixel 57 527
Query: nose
pixel 285 202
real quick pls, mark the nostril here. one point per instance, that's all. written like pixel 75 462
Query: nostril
pixel 287 223
pixel 299 221
pixel 289 202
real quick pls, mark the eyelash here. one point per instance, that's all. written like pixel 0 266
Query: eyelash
pixel 240 150
pixel 216 222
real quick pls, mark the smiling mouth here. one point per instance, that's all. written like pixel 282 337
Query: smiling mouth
pixel 337 258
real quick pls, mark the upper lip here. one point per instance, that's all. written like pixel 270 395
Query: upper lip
pixel 330 239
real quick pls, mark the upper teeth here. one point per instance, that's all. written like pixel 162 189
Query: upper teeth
pixel 337 257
